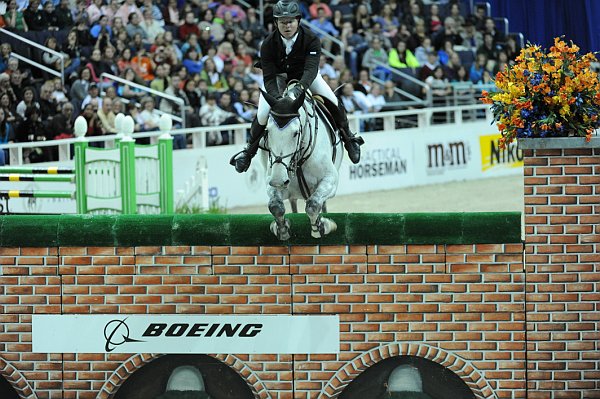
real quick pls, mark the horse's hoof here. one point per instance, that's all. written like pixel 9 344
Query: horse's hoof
pixel 315 233
pixel 329 225
pixel 283 232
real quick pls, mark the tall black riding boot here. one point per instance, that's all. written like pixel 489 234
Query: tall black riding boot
pixel 241 160
pixel 351 141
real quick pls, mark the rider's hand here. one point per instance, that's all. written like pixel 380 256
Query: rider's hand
pixel 296 91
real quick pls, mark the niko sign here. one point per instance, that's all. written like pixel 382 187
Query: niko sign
pixel 276 334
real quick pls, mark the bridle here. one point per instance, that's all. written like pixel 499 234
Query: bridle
pixel 301 152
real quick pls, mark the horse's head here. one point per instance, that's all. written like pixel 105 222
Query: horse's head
pixel 284 137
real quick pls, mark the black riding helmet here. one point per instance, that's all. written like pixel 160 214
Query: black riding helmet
pixel 286 8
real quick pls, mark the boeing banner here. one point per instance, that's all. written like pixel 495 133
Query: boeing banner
pixel 276 334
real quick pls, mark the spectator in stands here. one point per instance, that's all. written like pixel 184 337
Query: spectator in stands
pixel 49 59
pixel 414 16
pixel 462 74
pixel 313 9
pixel 472 38
pixel 188 27
pixel 346 8
pixel 194 95
pixel 479 17
pixel 7 104
pixel 438 83
pixel 149 119
pixel 161 79
pixel 97 66
pixel 170 107
pixel 93 96
pixel 33 16
pixel 155 11
pixel 79 89
pixel 71 49
pixel 457 16
pixel 216 82
pixel 94 12
pixel 150 25
pixel 446 52
pixel 355 46
pixel 134 27
pixel 435 20
pixel 323 23
pixel 389 22
pixel 512 48
pixel 448 32
pixel 172 14
pixel 237 13
pixel 390 96
pixel 48 107
pixel 355 101
pixel 143 65
pixel 110 10
pixel 209 21
pixel 101 27
pixel 427 69
pixel 375 98
pixel 490 27
pixel 325 68
pixel 49 17
pixel 28 101
pixel 362 19
pixel 5 50
pixel 488 48
pixel 452 66
pixel 363 83
pixel 191 61
pixel 94 127
pixel 127 91
pixel 62 124
pixel 126 9
pixel 401 57
pixel 14 18
pixel 377 32
pixel 106 116
pixel 376 53
pixel 478 68
pixel 31 129
pixel 212 114
pixel 252 24
pixel 245 111
pixel 405 35
pixel 421 53
pixel 7 135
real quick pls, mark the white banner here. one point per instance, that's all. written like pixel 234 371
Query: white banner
pixel 386 162
pixel 240 334
pixel 443 156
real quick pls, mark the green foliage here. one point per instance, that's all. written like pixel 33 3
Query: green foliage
pixel 214 207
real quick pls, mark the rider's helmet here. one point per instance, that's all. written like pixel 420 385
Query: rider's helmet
pixel 287 8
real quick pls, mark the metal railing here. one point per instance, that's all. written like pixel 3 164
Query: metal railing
pixel 60 74
pixel 415 100
pixel 422 116
pixel 177 100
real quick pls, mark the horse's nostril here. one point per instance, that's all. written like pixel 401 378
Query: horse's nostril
pixel 287 182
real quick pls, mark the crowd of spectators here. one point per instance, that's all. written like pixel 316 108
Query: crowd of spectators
pixel 204 52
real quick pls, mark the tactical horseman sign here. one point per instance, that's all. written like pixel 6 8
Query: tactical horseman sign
pixel 277 334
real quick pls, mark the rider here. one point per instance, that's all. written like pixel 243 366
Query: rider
pixel 294 50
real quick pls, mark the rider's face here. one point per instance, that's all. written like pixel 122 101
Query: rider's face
pixel 287 27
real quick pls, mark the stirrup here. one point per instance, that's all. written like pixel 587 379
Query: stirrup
pixel 241 161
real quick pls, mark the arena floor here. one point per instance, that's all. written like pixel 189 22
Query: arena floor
pixel 500 194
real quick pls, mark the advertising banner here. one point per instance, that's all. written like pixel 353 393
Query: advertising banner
pixel 499 162
pixel 273 334
pixel 443 155
pixel 386 162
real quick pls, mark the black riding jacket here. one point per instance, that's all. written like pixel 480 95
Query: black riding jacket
pixel 302 63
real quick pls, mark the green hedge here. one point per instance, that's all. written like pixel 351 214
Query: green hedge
pixel 353 228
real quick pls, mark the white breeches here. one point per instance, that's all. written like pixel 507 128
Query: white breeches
pixel 318 86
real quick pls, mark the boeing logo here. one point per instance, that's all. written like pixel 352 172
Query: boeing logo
pixel 116 333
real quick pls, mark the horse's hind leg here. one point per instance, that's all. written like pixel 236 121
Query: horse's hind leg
pixel 280 226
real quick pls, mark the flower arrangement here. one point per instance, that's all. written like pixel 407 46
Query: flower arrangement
pixel 546 94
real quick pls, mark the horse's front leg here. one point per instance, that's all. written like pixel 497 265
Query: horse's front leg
pixel 280 226
pixel 321 226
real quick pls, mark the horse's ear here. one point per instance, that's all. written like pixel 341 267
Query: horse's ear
pixel 270 99
pixel 299 101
